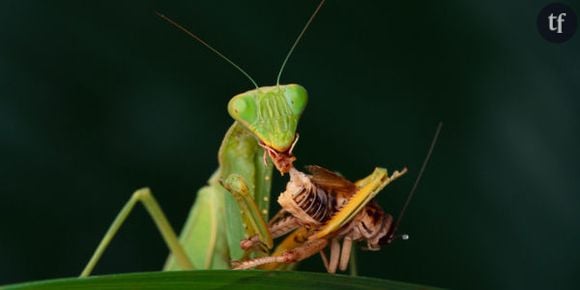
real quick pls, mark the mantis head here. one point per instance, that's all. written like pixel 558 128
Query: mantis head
pixel 272 114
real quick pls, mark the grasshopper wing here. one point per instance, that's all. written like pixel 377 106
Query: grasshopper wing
pixel 331 181
pixel 367 189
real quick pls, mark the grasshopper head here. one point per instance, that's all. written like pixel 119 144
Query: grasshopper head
pixel 272 114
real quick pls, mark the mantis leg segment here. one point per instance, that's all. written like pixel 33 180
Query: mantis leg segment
pixel 287 257
pixel 146 198
pixel 203 235
pixel 253 222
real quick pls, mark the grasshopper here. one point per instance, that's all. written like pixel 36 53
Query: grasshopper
pixel 325 208
pixel 234 204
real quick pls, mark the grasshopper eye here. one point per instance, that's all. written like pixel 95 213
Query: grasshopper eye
pixel 297 98
pixel 243 108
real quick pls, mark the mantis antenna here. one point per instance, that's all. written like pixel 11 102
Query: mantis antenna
pixel 297 40
pixel 178 26
pixel 391 237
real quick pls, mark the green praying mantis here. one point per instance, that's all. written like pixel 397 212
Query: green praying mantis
pixel 223 214
pixel 233 207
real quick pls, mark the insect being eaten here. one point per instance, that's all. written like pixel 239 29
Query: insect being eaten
pixel 321 208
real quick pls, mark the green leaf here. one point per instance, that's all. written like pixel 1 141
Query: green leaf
pixel 219 279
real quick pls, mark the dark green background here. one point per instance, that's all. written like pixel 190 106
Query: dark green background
pixel 98 98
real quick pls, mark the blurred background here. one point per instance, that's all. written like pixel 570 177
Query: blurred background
pixel 100 98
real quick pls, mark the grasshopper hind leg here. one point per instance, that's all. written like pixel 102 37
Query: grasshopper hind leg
pixel 287 257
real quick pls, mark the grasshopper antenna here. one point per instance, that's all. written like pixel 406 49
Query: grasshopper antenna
pixel 297 41
pixel 393 236
pixel 180 27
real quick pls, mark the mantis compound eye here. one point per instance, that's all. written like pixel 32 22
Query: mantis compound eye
pixel 297 98
pixel 243 107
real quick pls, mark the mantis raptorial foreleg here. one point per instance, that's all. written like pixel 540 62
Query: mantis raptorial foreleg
pixel 252 220
pixel 145 197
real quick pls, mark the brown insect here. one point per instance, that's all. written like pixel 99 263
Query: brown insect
pixel 325 208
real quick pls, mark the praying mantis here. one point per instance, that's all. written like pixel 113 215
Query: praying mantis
pixel 233 206
pixel 265 125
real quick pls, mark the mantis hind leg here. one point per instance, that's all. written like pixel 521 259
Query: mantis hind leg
pixel 146 198
pixel 204 235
